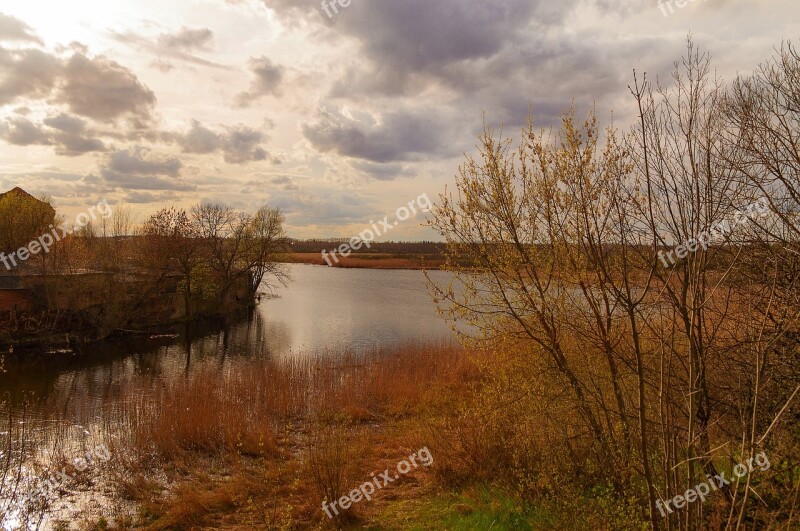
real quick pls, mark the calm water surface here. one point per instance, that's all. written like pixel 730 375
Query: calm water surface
pixel 321 311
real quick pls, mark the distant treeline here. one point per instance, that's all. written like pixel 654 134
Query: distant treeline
pixel 397 248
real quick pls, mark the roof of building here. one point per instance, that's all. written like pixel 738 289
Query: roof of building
pixel 17 191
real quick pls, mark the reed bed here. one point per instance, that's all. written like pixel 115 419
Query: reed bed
pixel 245 409
pixel 295 413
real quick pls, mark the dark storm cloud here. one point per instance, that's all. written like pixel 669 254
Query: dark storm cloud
pixel 97 88
pixel 409 44
pixel 28 73
pixel 478 49
pixel 398 136
pixel 382 172
pixel 241 145
pixel 75 146
pixel 547 77
pixel 68 134
pixel 71 136
pixel 238 144
pixel 20 131
pixel 489 62
pixel 268 77
pixel 104 90
pixel 93 87
pixel 199 139
pixel 13 29
pixel 413 36
pixel 139 160
pixel 139 168
pixel 67 124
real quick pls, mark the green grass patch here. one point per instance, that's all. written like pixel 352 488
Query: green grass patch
pixel 474 508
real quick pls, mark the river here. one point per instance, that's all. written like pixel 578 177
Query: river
pixel 322 310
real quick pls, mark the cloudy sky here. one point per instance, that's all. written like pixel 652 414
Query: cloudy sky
pixel 336 120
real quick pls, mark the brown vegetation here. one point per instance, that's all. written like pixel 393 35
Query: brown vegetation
pixel 658 375
pixel 263 446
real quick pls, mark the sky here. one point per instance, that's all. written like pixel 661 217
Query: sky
pixel 338 116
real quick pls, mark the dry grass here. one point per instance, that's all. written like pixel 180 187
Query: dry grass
pixel 262 445
pixel 265 445
pixel 329 464
pixel 245 411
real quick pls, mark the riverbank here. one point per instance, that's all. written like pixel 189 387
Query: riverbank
pixel 265 446
pixel 368 261
pixel 447 435
pixel 18 343
pixel 312 426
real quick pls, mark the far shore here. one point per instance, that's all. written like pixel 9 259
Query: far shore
pixel 367 261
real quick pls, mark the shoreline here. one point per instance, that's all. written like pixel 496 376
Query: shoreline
pixel 367 261
pixel 43 345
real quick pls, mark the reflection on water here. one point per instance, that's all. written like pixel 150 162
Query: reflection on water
pixel 63 403
pixel 327 308
pixel 322 310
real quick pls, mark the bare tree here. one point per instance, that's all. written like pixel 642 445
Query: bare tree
pixel 633 255
pixel 240 247
pixel 172 246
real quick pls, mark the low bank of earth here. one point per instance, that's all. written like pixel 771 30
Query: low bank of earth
pixel 368 261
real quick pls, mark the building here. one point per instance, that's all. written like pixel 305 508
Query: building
pixel 22 219
pixel 19 193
